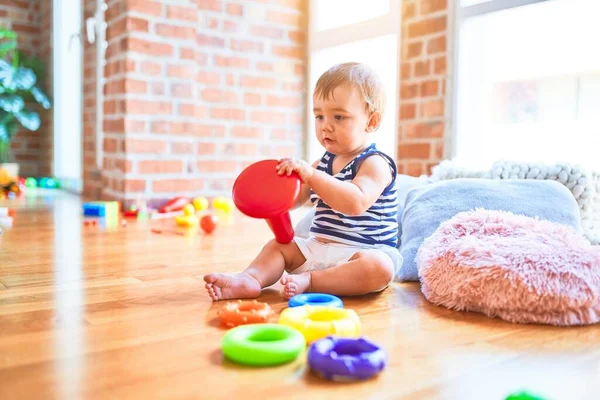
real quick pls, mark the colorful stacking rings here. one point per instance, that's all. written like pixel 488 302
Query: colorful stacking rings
pixel 244 312
pixel 262 344
pixel 337 358
pixel 317 322
pixel 315 299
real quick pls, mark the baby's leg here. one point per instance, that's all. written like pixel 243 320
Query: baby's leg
pixel 264 271
pixel 365 272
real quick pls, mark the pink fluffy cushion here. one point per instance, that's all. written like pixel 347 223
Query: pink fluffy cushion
pixel 518 268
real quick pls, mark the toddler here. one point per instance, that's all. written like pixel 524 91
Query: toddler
pixel 352 245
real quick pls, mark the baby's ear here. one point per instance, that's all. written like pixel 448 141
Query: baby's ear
pixel 374 122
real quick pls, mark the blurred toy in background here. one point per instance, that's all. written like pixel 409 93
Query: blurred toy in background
pixel 9 185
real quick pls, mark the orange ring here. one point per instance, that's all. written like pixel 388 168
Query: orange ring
pixel 245 312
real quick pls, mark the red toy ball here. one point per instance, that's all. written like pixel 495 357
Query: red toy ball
pixel 208 223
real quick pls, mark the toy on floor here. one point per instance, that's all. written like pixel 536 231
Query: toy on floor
pixel 109 209
pixel 244 312
pixel 336 358
pixel 208 223
pixel 31 182
pixel 175 204
pixel 223 204
pixel 9 186
pixel 315 299
pixel 317 322
pixel 189 218
pixel 523 396
pixel 200 203
pixel 48 183
pixel 262 344
pixel 260 192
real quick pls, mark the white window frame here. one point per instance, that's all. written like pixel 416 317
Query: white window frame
pixel 387 24
pixel 461 14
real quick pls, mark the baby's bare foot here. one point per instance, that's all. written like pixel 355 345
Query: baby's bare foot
pixel 295 284
pixel 231 286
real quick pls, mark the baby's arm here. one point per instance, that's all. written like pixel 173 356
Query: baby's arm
pixel 350 198
pixel 304 191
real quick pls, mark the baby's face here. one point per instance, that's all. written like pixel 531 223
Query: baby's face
pixel 341 121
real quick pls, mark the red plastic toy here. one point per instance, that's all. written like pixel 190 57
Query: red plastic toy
pixel 260 192
pixel 175 204
pixel 208 223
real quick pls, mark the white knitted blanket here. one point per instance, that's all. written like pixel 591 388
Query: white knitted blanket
pixel 583 183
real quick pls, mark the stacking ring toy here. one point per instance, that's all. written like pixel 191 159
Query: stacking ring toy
pixel 346 359
pixel 317 322
pixel 244 312
pixel 262 344
pixel 315 299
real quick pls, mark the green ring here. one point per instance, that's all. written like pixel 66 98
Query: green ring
pixel 263 344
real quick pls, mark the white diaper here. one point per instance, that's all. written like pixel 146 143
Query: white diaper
pixel 326 255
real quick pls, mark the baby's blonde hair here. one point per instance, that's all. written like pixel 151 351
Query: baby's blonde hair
pixel 358 75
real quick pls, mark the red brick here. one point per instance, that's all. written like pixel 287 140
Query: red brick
pixel 427 26
pixel 158 88
pixel 160 166
pixel 434 108
pixel 235 9
pixel 114 125
pixel 439 66
pixel 210 41
pixel 147 107
pixel 294 19
pixel 187 53
pixel 436 45
pixel 409 90
pixel 21 28
pixel 405 69
pixel 218 96
pixel 252 99
pixel 174 31
pixel 228 113
pixel 431 6
pixel 147 47
pixel 258 82
pixel 191 110
pixel 217 166
pixel 177 185
pixel 145 146
pixel 182 148
pixel 412 50
pixel 208 77
pixel 206 148
pixel 414 169
pixel 439 150
pixel 111 145
pixel 147 7
pixel 135 185
pixel 211 5
pixel 246 132
pixel 181 90
pixel 266 31
pixel 297 36
pixel 422 68
pixel 408 111
pixel 424 130
pixel 246 46
pixel 230 26
pixel 409 9
pixel 283 101
pixel 135 86
pixel 429 88
pixel 182 13
pixel 288 51
pixel 134 126
pixel 136 24
pixel 269 117
pixel 181 71
pixel 231 62
pixel 414 150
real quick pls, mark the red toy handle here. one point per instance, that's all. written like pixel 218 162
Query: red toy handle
pixel 260 192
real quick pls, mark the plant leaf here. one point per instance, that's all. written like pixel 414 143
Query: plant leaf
pixel 8 41
pixel 6 71
pixel 40 97
pixel 29 119
pixel 11 103
pixel 8 128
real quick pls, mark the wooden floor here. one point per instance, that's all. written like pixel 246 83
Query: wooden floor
pixel 121 313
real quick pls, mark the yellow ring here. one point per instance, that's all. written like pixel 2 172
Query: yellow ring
pixel 317 322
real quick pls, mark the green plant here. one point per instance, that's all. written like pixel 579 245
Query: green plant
pixel 20 80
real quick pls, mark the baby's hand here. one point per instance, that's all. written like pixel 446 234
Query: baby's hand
pixel 302 168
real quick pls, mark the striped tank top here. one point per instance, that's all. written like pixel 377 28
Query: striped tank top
pixel 376 226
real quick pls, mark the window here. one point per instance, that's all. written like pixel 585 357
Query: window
pixel 527 82
pixel 368 32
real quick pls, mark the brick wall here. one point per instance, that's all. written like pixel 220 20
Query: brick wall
pixel 195 91
pixel 424 78
pixel 31 18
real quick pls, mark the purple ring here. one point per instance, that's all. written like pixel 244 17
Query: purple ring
pixel 337 358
